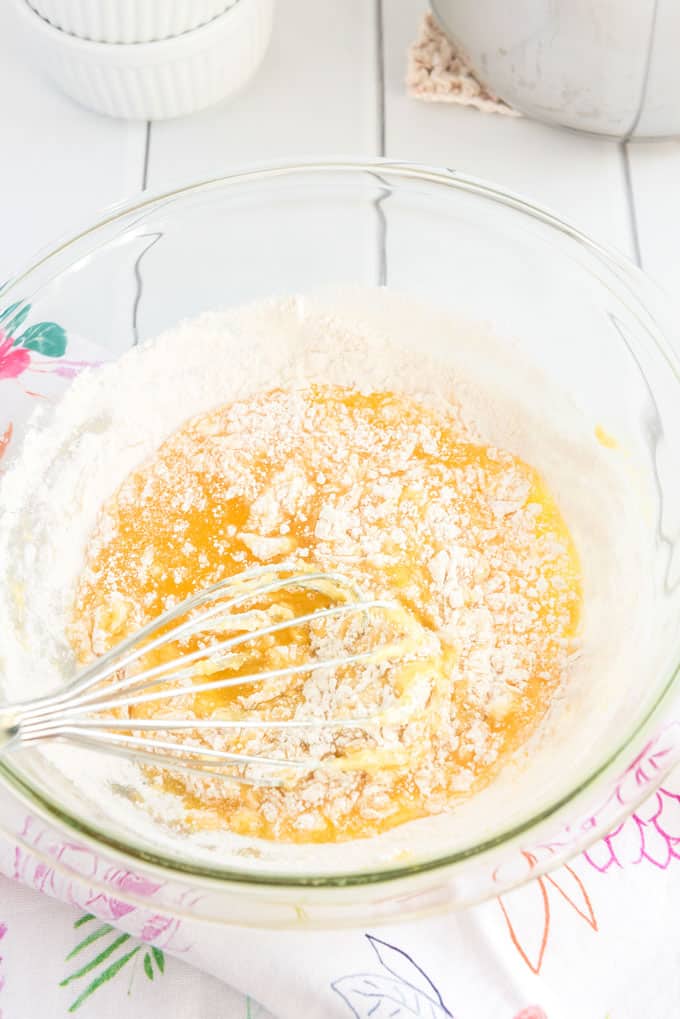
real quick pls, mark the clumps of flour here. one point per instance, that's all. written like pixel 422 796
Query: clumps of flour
pixel 113 418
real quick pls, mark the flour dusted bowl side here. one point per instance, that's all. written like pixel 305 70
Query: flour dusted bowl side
pixel 558 308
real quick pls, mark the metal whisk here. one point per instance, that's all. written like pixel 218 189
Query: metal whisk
pixel 119 679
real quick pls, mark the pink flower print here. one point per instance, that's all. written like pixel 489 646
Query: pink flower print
pixel 69 369
pixel 159 928
pixel 135 884
pixel 126 881
pixel 83 861
pixel 13 360
pixel 76 889
pixel 3 931
pixel 657 758
pixel 41 876
pixel 651 834
pixel 531 1012
pixel 108 906
pixel 46 339
pixel 119 908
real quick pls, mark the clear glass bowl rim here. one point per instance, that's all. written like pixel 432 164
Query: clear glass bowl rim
pixel 452 179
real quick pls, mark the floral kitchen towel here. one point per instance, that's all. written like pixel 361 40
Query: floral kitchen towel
pixel 596 939
pixel 57 961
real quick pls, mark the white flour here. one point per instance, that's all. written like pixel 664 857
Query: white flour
pixel 113 418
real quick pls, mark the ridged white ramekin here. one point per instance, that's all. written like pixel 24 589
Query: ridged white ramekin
pixel 156 80
pixel 126 21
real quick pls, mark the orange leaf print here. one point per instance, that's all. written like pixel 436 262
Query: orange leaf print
pixel 571 888
pixel 531 946
pixel 5 439
pixel 530 936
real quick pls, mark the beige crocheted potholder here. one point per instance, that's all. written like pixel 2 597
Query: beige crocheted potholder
pixel 438 74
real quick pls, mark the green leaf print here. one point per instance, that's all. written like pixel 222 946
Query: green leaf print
pixel 84 919
pixel 155 955
pixel 6 312
pixel 10 325
pixel 45 338
pixel 99 933
pixel 253 1009
pixel 102 967
pixel 120 940
pixel 114 968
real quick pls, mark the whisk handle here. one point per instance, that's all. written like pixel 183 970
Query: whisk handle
pixel 10 727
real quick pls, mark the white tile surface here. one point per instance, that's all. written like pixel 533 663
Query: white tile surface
pixel 314 95
pixel 317 93
pixel 655 180
pixel 60 165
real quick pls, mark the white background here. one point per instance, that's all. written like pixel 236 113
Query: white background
pixel 332 84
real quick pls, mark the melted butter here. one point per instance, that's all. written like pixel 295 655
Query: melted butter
pixel 188 518
pixel 605 438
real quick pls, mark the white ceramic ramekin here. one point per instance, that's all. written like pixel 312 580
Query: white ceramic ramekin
pixel 155 80
pixel 125 21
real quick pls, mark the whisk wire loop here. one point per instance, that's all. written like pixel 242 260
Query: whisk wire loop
pixel 119 681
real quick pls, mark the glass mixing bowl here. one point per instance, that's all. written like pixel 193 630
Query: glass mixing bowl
pixel 588 323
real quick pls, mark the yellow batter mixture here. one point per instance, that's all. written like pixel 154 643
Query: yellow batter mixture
pixel 406 499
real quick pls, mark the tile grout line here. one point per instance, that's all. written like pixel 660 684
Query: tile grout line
pixel 380 75
pixel 139 286
pixel 380 220
pixel 630 202
pixel 147 148
pixel 625 141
